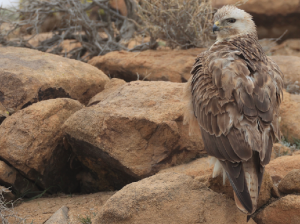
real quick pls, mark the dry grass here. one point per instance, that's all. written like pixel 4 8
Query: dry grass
pixel 180 23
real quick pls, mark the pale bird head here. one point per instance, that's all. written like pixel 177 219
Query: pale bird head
pixel 229 22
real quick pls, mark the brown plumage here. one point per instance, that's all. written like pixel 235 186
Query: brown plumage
pixel 234 96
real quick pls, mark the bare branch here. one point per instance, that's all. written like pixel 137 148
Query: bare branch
pixel 69 20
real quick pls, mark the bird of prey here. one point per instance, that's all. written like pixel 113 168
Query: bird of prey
pixel 234 95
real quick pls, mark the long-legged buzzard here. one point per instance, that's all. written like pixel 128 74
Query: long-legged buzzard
pixel 234 96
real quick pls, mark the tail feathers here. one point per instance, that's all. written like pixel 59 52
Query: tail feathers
pixel 239 204
pixel 251 176
pixel 251 181
pixel 242 197
pixel 245 180
pixel 248 218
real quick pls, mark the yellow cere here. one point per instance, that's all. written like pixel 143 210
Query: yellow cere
pixel 217 23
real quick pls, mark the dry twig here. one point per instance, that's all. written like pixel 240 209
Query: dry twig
pixel 74 24
pixel 7 213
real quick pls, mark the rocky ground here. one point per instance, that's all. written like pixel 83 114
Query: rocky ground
pixel 104 142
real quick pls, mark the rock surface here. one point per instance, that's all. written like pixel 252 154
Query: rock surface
pixel 164 65
pixel 290 47
pixel 59 217
pixel 134 132
pixel 31 140
pixel 283 211
pixel 109 87
pixel 28 76
pixel 80 206
pixel 197 167
pixel 202 170
pixel 290 67
pixel 289 113
pixel 169 198
pixel 10 177
pixel 3 113
pixel 290 183
pixel 281 166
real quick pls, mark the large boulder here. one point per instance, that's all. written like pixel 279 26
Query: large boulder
pixel 163 65
pixel 28 76
pixel 272 18
pixel 197 167
pixel 283 211
pixel 281 166
pixel 290 183
pixel 133 132
pixel 31 140
pixel 169 198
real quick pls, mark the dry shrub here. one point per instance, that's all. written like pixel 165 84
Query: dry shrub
pixel 183 23
pixel 7 213
pixel 73 24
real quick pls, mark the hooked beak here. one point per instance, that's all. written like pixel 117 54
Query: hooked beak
pixel 215 28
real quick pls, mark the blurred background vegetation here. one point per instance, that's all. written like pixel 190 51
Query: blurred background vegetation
pixel 82 29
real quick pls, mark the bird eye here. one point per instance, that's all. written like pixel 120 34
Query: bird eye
pixel 231 20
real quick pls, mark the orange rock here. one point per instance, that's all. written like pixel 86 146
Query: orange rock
pixel 28 76
pixel 31 140
pixel 197 167
pixel 133 132
pixel 119 5
pixel 164 65
pixel 281 166
pixel 290 67
pixel 109 87
pixel 290 183
pixel 202 170
pixel 289 109
pixel 283 211
pixel 169 198
pixel 176 66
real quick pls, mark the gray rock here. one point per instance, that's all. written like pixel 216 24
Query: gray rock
pixel 59 217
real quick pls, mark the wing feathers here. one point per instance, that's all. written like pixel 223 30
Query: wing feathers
pixel 236 91
pixel 239 145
